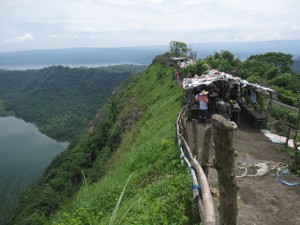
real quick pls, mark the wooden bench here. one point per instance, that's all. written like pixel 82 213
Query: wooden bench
pixel 258 117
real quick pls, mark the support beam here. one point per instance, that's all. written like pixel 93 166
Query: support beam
pixel 225 165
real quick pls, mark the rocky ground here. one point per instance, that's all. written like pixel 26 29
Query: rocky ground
pixel 262 200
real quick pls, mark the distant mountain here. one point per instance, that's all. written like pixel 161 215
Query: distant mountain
pixel 75 57
pixel 243 50
pixel 93 57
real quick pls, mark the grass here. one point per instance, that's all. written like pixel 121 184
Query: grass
pixel 159 192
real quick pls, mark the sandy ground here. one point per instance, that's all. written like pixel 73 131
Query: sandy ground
pixel 262 200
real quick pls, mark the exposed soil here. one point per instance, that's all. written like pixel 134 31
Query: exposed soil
pixel 262 200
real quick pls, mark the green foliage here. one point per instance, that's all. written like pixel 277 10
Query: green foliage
pixel 134 132
pixel 279 60
pixel 281 80
pixel 256 79
pixel 285 114
pixel 60 100
pixel 3 111
pixel 198 68
pixel 289 100
pixel 178 48
pixel 273 69
pixel 224 61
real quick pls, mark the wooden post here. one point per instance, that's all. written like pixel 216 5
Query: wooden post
pixel 287 137
pixel 298 127
pixel 225 165
pixel 269 106
pixel 297 154
pixel 205 150
pixel 195 139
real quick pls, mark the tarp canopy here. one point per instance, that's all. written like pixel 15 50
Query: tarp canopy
pixel 215 75
pixel 183 62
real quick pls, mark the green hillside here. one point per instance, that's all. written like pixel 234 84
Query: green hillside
pixel 134 136
pixel 127 169
pixel 61 101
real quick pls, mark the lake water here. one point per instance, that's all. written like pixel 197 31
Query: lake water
pixel 87 65
pixel 24 152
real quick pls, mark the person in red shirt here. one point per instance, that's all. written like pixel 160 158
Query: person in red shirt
pixel 203 106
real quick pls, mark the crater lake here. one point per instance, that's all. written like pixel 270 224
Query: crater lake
pixel 24 154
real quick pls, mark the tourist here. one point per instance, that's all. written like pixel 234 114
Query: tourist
pixel 203 106
pixel 212 103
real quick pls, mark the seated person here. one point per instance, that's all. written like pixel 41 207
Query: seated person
pixel 224 108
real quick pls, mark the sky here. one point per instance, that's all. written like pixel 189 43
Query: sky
pixel 54 24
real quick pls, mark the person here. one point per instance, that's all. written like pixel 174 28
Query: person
pixel 212 103
pixel 234 92
pixel 177 75
pixel 224 108
pixel 203 106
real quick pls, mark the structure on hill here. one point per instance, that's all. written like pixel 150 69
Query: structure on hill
pixel 220 86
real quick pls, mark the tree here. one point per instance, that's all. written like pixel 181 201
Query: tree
pixel 178 48
pixel 198 68
pixel 278 59
pixel 224 61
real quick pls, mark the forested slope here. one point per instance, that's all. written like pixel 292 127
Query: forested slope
pixel 134 135
pixel 61 101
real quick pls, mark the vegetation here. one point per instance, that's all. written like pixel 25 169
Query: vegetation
pixel 127 170
pixel 134 133
pixel 178 48
pixel 60 100
pixel 224 61
pixel 273 69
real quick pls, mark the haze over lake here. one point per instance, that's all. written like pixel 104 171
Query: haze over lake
pixel 24 151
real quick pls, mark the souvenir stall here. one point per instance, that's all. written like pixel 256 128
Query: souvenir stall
pixel 223 87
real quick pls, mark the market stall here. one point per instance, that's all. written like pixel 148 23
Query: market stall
pixel 224 87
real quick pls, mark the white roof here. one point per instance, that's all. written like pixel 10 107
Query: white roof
pixel 215 75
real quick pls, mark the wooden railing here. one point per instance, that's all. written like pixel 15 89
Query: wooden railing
pixel 224 162
pixel 205 202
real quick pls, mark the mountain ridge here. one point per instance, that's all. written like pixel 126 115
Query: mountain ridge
pixel 139 54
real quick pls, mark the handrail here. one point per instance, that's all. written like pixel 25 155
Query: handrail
pixel 205 203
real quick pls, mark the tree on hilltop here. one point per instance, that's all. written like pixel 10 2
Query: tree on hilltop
pixel 178 48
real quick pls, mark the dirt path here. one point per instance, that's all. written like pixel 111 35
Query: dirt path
pixel 262 199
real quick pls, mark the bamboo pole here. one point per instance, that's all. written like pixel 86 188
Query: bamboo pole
pixel 225 165
pixel 205 150
pixel 196 193
pixel 205 206
pixel 178 122
pixel 183 125
pixel 208 206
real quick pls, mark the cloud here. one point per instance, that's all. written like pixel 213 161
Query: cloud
pixel 295 28
pixel 25 37
pixel 102 23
